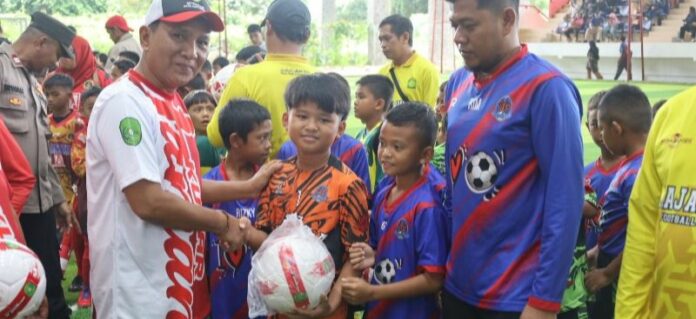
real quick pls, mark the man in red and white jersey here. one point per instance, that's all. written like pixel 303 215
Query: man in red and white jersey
pixel 146 224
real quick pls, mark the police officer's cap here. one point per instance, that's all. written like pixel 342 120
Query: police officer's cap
pixel 56 30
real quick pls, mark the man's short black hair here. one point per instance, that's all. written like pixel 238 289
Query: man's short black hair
pixel 207 66
pixel 593 103
pixel 399 25
pixel 326 91
pixel 253 28
pixel 420 116
pixel 59 80
pixel 197 97
pixel 629 106
pixel 124 65
pixel 496 5
pixel 380 86
pixel 249 54
pixel 91 92
pixel 130 55
pixel 241 117
pixel 221 61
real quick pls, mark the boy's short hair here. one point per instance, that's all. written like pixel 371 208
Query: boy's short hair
pixel 103 58
pixel 221 61
pixel 207 66
pixel 250 54
pixel 59 80
pixel 124 65
pixel 197 97
pixel 380 86
pixel 657 106
pixel 443 86
pixel 241 117
pixel 325 90
pixel 91 92
pixel 629 106
pixel 421 116
pixel 130 55
pixel 593 103
pixel 253 28
pixel 399 25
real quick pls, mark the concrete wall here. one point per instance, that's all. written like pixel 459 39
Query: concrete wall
pixel 664 62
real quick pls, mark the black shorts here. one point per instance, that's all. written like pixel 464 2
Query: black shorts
pixel 453 308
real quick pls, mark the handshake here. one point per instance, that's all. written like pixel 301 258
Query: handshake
pixel 235 232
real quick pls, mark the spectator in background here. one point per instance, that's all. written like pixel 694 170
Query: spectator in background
pixel 612 28
pixel 593 61
pixel 249 55
pixel 689 25
pixel 119 32
pixel 256 36
pixel 120 68
pixel 576 27
pixel 624 62
pixel 207 73
pixel 219 63
pixel 196 84
pixel 594 30
pixel 83 69
pixel 564 27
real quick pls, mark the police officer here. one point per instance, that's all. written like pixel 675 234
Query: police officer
pixel 23 108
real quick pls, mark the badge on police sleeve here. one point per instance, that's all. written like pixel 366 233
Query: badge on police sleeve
pixel 131 132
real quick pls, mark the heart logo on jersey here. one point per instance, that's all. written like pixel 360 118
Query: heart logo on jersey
pixel 456 163
pixel 234 258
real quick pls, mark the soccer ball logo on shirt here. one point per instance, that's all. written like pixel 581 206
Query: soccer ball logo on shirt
pixel 385 272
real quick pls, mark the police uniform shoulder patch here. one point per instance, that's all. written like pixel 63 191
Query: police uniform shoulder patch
pixel 131 131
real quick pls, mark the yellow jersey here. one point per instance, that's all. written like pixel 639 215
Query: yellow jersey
pixel 658 272
pixel 418 79
pixel 265 84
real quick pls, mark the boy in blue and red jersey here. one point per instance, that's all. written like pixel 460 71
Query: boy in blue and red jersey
pixel 514 153
pixel 245 128
pixel 598 175
pixel 624 119
pixel 408 226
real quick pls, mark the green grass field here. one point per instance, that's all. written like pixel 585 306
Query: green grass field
pixel 655 92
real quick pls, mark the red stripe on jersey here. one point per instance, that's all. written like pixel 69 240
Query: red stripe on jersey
pixel 457 92
pixel 347 156
pixel 379 309
pixel 488 211
pixel 616 227
pixel 409 217
pixel 514 271
pixel 540 304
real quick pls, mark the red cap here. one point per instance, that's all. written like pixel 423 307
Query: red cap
pixel 118 22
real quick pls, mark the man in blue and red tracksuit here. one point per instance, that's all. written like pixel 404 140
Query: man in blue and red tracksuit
pixel 514 151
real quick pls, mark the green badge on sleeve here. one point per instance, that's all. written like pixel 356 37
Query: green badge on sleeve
pixel 412 83
pixel 131 133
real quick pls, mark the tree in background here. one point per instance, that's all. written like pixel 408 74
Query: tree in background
pixel 63 7
pixel 408 7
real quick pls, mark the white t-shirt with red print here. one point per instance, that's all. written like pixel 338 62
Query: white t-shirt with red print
pixel 142 270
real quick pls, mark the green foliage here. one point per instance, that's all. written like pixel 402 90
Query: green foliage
pixel 63 7
pixel 240 11
pixel 409 7
pixel 355 10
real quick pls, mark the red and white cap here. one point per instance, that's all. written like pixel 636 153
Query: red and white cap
pixel 179 11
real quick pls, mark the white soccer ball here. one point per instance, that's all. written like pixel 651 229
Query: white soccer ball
pixel 481 173
pixel 294 273
pixel 22 280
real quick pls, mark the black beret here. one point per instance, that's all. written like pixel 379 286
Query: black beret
pixel 56 30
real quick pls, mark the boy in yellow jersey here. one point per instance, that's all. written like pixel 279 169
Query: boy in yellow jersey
pixel 372 99
pixel 657 280
pixel 415 78
pixel 287 30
